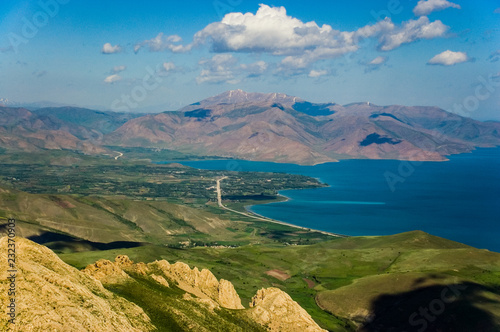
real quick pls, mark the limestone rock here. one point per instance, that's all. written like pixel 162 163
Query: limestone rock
pixel 140 268
pixel 228 298
pixel 123 261
pixel 202 283
pixel 53 296
pixel 160 280
pixel 275 309
pixel 106 271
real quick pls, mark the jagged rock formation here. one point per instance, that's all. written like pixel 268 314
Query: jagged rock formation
pixel 106 271
pixel 53 296
pixel 277 311
pixel 202 284
pixel 272 308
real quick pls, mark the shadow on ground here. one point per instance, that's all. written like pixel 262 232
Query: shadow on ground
pixel 443 308
pixel 66 243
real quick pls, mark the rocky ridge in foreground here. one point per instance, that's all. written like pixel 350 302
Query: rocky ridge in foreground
pixel 119 296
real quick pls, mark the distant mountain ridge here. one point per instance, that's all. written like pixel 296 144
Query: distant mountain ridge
pixel 274 127
pixel 281 128
pixel 103 121
pixel 239 97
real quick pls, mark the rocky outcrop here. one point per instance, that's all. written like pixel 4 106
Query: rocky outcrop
pixel 276 310
pixel 106 271
pixel 200 283
pixel 53 296
pixel 227 296
pixel 203 284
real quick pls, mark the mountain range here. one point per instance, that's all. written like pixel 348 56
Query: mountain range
pixel 256 126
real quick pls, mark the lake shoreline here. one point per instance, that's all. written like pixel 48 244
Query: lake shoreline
pixel 438 198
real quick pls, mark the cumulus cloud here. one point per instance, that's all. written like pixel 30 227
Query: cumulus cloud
pixel 168 66
pixel 118 69
pixel 375 63
pixel 166 69
pixel 317 73
pixel 449 58
pixel 112 78
pixel 254 69
pixel 161 43
pixel 378 61
pixel 218 69
pixel 425 7
pixel 110 49
pixel 225 68
pixel 271 31
pixel 411 31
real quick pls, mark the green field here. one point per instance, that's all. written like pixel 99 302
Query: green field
pixel 348 275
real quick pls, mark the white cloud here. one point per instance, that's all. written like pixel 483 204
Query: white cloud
pixel 375 63
pixel 425 7
pixel 118 69
pixel 218 69
pixel 112 78
pixel 271 31
pixel 317 73
pixel 378 61
pixel 225 68
pixel 161 43
pixel 254 69
pixel 168 66
pixel 411 31
pixel 449 58
pixel 110 49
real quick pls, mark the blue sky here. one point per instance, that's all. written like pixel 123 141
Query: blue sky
pixel 162 55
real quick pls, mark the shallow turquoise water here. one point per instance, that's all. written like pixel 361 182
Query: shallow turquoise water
pixel 458 199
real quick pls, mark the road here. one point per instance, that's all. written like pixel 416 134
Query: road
pixel 219 202
pixel 219 193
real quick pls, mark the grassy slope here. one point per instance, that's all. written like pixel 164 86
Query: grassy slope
pixel 170 311
pixel 106 219
pixel 330 265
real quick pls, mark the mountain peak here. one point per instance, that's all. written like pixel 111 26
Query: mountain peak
pixel 239 96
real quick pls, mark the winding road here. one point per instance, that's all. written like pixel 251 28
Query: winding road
pixel 119 155
pixel 219 202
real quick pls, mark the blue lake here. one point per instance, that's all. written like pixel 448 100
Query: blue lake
pixel 458 199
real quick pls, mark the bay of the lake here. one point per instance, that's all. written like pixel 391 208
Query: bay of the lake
pixel 457 199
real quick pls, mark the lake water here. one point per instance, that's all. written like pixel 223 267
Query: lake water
pixel 458 199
